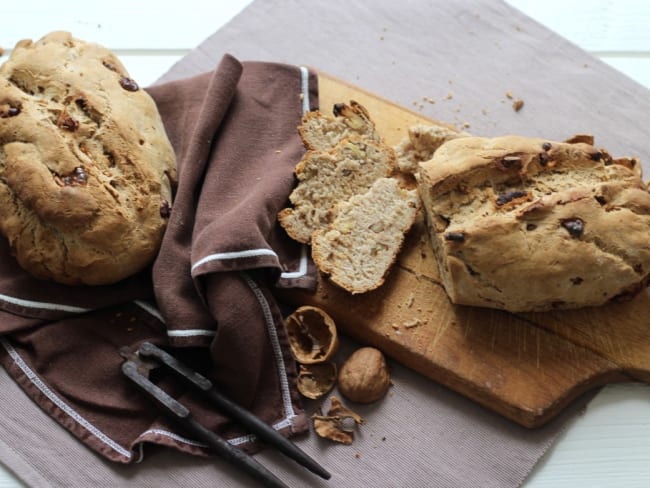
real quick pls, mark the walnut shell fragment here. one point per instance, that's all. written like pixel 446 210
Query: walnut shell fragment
pixel 315 380
pixel 338 424
pixel 312 335
pixel 364 377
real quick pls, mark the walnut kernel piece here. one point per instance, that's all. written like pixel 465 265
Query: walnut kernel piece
pixel 338 424
pixel 312 335
pixel 364 377
pixel 315 380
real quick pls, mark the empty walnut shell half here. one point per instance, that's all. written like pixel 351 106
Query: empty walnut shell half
pixel 314 380
pixel 312 335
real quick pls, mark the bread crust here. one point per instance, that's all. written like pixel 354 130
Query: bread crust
pixel 86 169
pixel 526 224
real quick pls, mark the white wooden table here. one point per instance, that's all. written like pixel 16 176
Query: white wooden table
pixel 610 444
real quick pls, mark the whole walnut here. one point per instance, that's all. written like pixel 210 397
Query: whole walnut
pixel 364 377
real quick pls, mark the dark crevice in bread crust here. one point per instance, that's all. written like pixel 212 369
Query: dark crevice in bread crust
pixel 21 85
pixel 90 113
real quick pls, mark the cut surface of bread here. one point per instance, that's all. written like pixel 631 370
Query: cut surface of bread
pixel 321 132
pixel 525 224
pixel 327 178
pixel 421 143
pixel 359 247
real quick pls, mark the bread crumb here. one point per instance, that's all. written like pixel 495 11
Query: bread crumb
pixel 449 96
pixel 357 455
pixel 517 105
pixel 465 125
pixel 2 51
pixel 412 323
pixel 509 95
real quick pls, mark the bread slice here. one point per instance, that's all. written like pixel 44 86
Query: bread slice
pixel 328 178
pixel 421 143
pixel 359 247
pixel 322 132
pixel 525 224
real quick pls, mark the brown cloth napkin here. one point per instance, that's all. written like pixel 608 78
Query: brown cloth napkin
pixel 234 133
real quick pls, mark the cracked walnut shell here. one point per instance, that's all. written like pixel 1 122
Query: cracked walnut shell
pixel 312 335
pixel 338 424
pixel 314 380
pixel 364 377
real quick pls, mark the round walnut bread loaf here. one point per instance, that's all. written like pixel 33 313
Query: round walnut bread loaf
pixel 526 224
pixel 86 168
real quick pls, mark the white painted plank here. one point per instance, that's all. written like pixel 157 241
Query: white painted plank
pixel 635 67
pixel 608 446
pixel 145 69
pixel 119 24
pixel 602 26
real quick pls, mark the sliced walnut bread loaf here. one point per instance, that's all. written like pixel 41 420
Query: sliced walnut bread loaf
pixel 347 203
pixel 525 224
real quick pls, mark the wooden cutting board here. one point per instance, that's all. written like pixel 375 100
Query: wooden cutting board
pixel 526 367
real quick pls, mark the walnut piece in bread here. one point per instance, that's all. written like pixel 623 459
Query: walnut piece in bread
pixel 525 224
pixel 86 168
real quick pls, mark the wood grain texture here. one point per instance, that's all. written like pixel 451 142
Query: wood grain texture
pixel 526 367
